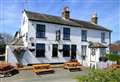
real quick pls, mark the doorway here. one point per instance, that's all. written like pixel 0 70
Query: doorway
pixel 73 52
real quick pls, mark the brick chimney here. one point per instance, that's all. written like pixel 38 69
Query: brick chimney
pixel 94 18
pixel 66 13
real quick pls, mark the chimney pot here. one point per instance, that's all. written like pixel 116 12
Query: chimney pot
pixel 94 18
pixel 66 13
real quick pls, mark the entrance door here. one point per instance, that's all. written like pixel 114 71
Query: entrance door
pixel 73 52
pixel 55 50
pixel 92 57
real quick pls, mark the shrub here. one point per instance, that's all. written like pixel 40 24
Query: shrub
pixel 113 57
pixel 108 75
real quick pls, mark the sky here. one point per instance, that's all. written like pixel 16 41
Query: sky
pixel 108 12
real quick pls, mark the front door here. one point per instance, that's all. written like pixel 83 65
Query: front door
pixel 73 52
pixel 92 57
pixel 55 50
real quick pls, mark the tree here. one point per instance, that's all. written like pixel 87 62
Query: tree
pixel 113 57
pixel 5 38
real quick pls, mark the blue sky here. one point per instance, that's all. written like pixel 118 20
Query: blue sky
pixel 108 12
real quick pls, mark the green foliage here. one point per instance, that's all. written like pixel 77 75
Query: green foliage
pixel 108 75
pixel 113 57
pixel 2 48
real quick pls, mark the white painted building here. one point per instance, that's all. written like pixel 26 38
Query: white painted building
pixel 54 39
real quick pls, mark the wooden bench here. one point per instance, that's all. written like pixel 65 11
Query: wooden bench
pixel 7 70
pixel 71 66
pixel 115 66
pixel 42 69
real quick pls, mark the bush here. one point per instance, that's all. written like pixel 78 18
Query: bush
pixel 108 75
pixel 113 57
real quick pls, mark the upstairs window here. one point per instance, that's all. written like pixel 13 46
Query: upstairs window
pixel 83 35
pixel 66 33
pixel 40 31
pixel 103 37
pixel 66 50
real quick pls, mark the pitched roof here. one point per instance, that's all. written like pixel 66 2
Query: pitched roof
pixel 115 47
pixel 59 20
pixel 96 45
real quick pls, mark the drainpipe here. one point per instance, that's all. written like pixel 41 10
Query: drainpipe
pixel 109 41
pixel 6 54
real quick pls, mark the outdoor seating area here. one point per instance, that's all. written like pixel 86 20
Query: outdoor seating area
pixel 7 69
pixel 72 66
pixel 42 69
pixel 115 66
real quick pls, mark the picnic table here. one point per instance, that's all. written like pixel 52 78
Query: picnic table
pixel 42 69
pixel 115 66
pixel 7 69
pixel 71 66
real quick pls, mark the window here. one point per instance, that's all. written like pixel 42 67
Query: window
pixel 83 50
pixel 66 33
pixel 40 31
pixel 58 34
pixel 55 50
pixel 83 35
pixel 40 50
pixel 102 52
pixel 103 37
pixel 66 50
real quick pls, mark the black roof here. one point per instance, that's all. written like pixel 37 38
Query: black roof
pixel 59 20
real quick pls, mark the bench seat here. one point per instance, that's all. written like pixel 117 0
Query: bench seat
pixel 42 69
pixel 72 66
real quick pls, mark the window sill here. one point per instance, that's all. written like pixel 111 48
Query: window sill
pixel 54 57
pixel 67 39
pixel 66 56
pixel 40 57
pixel 41 37
pixel 104 42
pixel 84 40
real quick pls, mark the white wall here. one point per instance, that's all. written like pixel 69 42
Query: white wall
pixel 24 28
pixel 75 38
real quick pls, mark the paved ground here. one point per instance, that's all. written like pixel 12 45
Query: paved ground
pixel 60 75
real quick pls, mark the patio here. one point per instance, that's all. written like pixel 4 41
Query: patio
pixel 60 75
